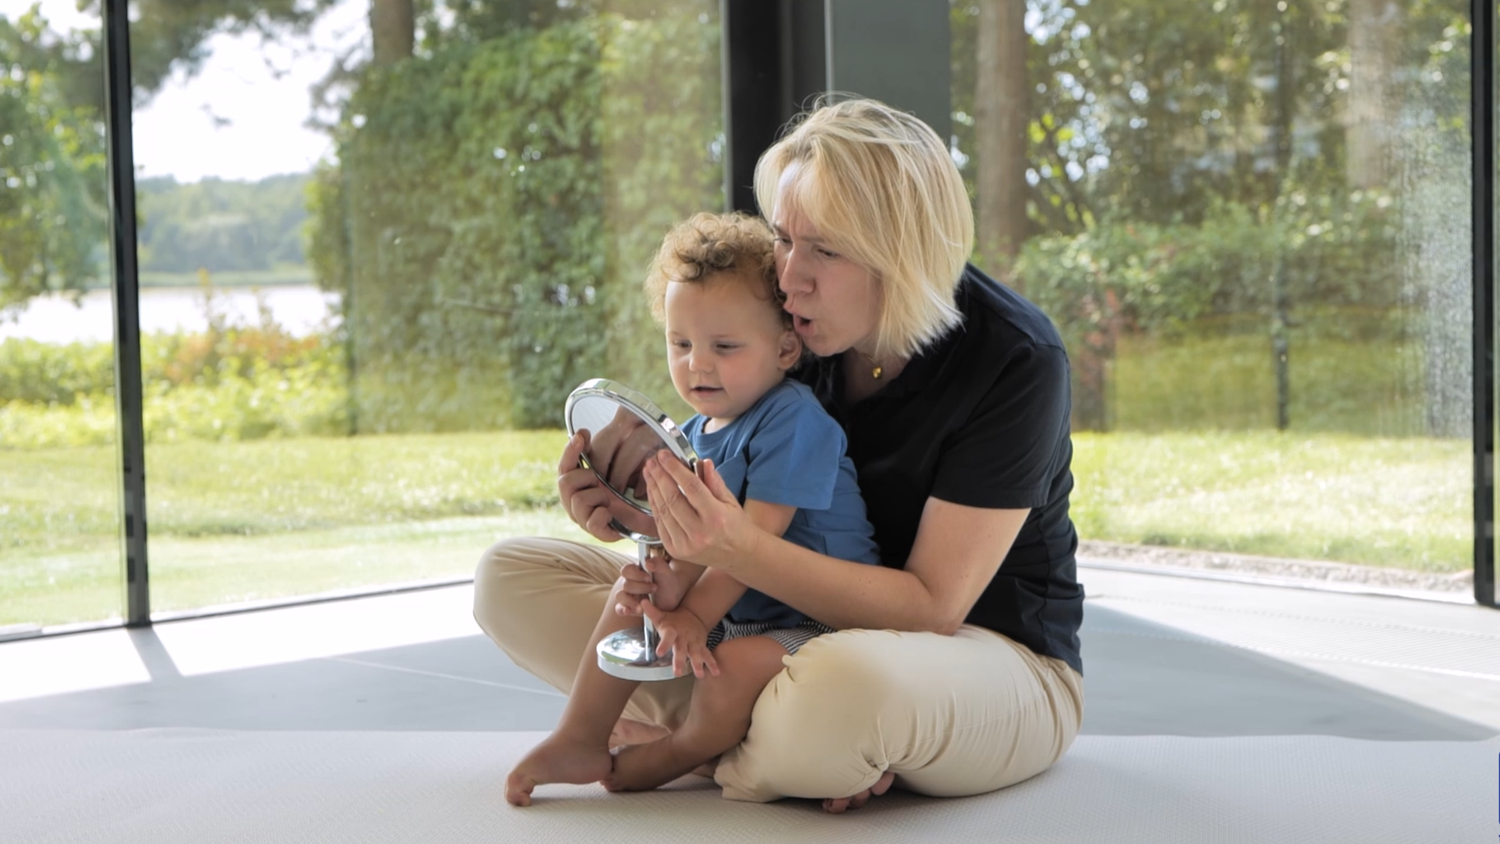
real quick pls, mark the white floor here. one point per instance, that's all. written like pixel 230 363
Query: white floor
pixel 1214 711
pixel 1163 656
pixel 181 786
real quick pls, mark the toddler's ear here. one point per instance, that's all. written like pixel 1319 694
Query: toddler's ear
pixel 790 351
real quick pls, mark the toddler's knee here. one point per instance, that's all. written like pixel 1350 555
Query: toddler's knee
pixel 723 696
pixel 745 667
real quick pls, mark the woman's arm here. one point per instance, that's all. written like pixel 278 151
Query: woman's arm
pixel 957 551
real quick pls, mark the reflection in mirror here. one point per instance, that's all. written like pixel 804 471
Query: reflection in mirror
pixel 619 444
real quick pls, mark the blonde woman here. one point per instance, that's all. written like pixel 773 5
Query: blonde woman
pixel 955 669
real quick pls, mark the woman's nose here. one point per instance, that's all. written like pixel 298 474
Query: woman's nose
pixel 794 279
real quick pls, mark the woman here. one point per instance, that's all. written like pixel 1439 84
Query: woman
pixel 956 667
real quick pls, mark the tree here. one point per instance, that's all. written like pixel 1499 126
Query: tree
pixel 51 173
pixel 52 197
pixel 393 30
pixel 220 225
pixel 1002 118
pixel 1374 28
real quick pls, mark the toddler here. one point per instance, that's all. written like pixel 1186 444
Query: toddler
pixel 729 347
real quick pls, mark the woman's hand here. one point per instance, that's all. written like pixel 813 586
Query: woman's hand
pixel 620 448
pixel 698 520
pixel 583 497
pixel 684 635
pixel 588 502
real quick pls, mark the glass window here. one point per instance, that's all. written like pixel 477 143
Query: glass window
pixel 381 242
pixel 1251 221
pixel 59 468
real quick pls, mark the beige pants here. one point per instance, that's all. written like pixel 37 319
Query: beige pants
pixel 950 715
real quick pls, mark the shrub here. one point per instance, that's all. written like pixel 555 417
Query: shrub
pixel 1123 276
pixel 494 211
pixel 54 373
pixel 230 382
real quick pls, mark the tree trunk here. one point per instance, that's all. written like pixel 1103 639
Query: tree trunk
pixel 393 23
pixel 1373 27
pixel 1286 86
pixel 1002 114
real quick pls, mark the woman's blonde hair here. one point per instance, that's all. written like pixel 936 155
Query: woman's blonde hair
pixel 708 245
pixel 880 186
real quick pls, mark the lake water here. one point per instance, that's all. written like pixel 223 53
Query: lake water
pixel 55 319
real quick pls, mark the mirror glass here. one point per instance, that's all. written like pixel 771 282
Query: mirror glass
pixel 625 429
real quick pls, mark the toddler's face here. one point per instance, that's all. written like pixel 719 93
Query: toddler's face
pixel 726 345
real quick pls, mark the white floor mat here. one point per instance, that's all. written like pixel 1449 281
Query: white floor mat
pixel 192 786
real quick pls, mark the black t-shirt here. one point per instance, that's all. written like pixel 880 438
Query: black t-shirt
pixel 979 418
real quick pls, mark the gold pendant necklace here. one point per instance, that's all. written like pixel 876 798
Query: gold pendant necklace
pixel 876 370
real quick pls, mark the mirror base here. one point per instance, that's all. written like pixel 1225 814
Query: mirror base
pixel 624 654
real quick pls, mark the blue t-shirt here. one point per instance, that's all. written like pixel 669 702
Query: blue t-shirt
pixel 786 449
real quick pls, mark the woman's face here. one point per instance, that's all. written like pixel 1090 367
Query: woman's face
pixel 834 302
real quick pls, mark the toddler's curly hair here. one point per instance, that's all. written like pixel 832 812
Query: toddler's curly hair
pixel 708 245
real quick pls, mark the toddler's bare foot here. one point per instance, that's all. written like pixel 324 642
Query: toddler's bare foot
pixel 631 731
pixel 556 759
pixel 641 767
pixel 837 805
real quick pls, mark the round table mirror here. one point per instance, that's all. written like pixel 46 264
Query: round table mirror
pixel 625 429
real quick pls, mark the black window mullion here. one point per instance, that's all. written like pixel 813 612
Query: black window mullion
pixel 126 289
pixel 1482 52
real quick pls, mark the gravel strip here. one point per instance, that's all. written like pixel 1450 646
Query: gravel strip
pixel 1313 571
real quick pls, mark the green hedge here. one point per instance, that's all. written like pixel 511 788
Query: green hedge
pixel 235 384
pixel 231 382
pixel 1161 278
pixel 494 211
pixel 1184 283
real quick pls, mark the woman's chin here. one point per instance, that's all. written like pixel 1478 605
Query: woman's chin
pixel 822 346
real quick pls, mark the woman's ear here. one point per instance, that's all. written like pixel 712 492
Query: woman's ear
pixel 790 351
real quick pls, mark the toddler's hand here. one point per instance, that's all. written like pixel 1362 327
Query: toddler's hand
pixel 658 580
pixel 684 635
pixel 671 584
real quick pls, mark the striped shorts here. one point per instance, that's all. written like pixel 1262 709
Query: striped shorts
pixel 791 638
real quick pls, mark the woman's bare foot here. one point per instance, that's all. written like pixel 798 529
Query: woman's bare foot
pixel 837 805
pixel 642 767
pixel 556 759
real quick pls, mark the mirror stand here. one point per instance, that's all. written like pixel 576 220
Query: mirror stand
pixel 630 654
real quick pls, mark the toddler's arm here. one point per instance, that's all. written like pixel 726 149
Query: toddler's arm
pixel 684 631
pixel 679 578
pixel 715 592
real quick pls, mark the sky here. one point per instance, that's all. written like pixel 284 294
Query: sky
pixel 241 115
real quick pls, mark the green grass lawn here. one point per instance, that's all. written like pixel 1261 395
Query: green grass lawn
pixel 1223 378
pixel 1355 480
pixel 244 521
pixel 273 518
pixel 1405 503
